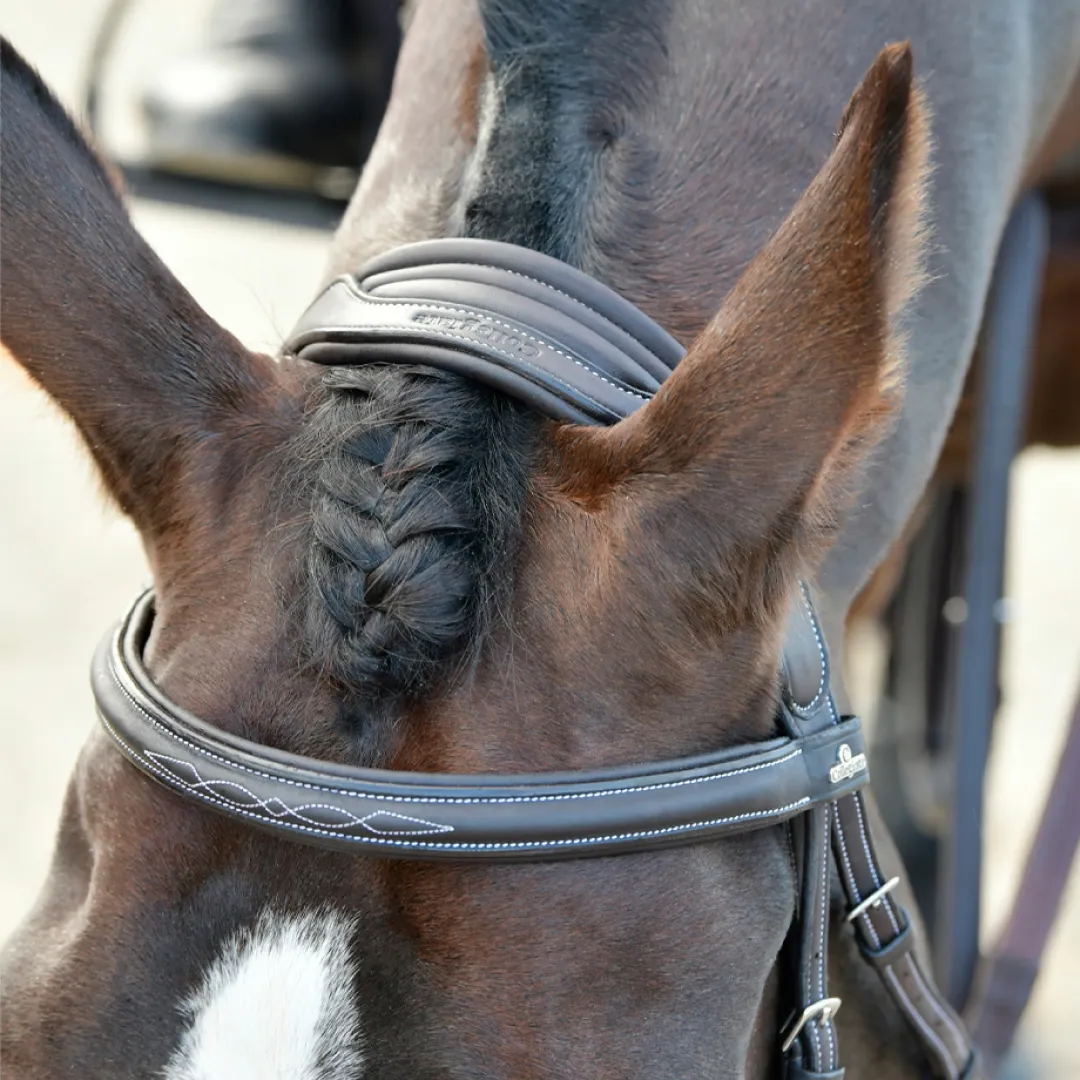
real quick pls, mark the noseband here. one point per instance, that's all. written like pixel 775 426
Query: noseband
pixel 540 331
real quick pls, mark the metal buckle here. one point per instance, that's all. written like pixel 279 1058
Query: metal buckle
pixel 825 1009
pixel 873 900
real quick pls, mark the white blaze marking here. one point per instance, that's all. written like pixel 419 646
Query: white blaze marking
pixel 276 1004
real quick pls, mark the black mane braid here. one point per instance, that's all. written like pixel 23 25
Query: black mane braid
pixel 418 497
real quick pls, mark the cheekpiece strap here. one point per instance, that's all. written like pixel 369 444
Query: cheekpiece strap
pixel 882 927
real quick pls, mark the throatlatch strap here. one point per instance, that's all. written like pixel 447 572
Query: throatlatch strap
pixel 886 940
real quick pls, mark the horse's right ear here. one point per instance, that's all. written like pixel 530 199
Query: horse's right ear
pixel 749 447
pixel 152 382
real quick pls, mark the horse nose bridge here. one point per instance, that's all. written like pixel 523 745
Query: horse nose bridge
pixel 584 969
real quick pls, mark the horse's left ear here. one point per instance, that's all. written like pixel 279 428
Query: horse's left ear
pixel 161 394
pixel 754 438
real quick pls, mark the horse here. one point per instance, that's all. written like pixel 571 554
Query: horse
pixel 397 566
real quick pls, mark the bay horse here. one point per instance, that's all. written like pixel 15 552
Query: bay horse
pixel 399 567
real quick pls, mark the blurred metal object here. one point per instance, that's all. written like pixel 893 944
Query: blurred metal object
pixel 873 900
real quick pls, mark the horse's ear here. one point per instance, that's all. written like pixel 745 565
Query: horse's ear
pixel 96 318
pixel 755 435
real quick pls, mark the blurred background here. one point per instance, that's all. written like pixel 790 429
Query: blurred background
pixel 253 258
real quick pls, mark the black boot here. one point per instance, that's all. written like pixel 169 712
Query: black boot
pixel 284 93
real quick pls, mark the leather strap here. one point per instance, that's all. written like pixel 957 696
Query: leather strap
pixel 795 1071
pixel 807 710
pixel 884 932
pixel 518 321
pixel 810 1042
pixel 886 941
pixel 473 818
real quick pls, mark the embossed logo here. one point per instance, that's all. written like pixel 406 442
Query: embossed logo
pixel 847 765
pixel 477 328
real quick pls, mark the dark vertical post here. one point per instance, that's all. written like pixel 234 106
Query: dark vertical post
pixel 1001 413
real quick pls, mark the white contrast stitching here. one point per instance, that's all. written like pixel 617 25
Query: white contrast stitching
pixel 467 846
pixel 813 703
pixel 573 299
pixel 918 1018
pixel 929 997
pixel 372 329
pixel 828 1026
pixel 479 312
pixel 810 995
pixel 854 885
pixel 812 1029
pixel 886 902
pixel 214 787
pixel 437 799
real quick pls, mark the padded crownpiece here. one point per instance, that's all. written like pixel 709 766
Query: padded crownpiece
pixel 518 321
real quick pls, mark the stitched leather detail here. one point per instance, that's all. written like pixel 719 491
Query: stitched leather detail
pixel 885 939
pixel 524 323
pixel 484 319
pixel 450 799
pixel 805 665
pixel 884 955
pixel 485 817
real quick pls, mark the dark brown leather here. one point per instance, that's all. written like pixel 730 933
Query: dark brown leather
pixel 885 938
pixel 519 321
pixel 884 931
pixel 504 818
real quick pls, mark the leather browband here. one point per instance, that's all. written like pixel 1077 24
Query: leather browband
pixel 412 815
pixel 571 348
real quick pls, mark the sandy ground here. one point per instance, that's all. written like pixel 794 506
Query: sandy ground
pixel 69 563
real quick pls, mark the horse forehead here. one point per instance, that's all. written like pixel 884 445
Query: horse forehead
pixel 277 1002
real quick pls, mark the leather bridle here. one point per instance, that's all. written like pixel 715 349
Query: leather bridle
pixel 554 338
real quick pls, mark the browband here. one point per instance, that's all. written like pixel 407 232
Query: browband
pixel 475 818
pixel 516 320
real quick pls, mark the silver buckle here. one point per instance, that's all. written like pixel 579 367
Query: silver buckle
pixel 822 1011
pixel 873 900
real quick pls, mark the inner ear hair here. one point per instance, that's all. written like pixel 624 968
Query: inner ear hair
pixel 899 144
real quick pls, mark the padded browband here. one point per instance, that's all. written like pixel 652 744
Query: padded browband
pixel 410 815
pixel 519 321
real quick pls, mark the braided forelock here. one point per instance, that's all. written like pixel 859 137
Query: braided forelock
pixel 419 486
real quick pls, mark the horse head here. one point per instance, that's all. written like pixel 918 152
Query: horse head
pixel 394 566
